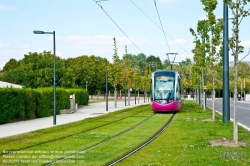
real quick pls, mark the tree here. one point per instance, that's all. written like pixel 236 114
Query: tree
pixel 239 12
pixel 154 63
pixel 201 45
pixel 215 55
pixel 115 72
pixel 11 64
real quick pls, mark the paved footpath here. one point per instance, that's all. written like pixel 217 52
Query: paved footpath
pixel 92 110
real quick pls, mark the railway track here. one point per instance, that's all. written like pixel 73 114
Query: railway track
pixel 143 144
pixel 71 135
pixel 126 132
pixel 101 143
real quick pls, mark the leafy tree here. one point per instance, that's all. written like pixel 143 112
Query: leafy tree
pixel 215 27
pixel 11 64
pixel 115 72
pixel 154 63
pixel 239 12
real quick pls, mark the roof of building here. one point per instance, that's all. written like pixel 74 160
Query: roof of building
pixel 6 84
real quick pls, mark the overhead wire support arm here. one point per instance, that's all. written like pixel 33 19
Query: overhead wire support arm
pixel 171 63
pixel 116 23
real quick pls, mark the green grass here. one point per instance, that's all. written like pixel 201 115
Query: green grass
pixel 187 142
pixel 123 144
pixel 76 141
pixel 57 132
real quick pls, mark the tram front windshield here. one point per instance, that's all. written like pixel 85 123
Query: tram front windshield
pixel 164 89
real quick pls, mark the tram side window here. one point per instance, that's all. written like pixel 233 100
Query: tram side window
pixel 178 90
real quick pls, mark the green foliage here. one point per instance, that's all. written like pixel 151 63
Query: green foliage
pixel 12 102
pixel 115 69
pixel 19 104
pixel 154 63
pixel 81 96
pixel 30 103
pixel 44 102
pixel 11 64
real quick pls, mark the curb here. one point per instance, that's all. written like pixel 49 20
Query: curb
pixel 240 124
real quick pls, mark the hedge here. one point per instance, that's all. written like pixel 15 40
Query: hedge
pixel 21 104
pixel 12 104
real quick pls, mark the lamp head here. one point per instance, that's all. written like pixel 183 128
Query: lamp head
pixel 38 32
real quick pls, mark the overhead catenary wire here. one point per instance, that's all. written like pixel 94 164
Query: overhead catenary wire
pixel 117 25
pixel 161 25
pixel 158 26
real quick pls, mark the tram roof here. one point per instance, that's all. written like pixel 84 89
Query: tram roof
pixel 166 72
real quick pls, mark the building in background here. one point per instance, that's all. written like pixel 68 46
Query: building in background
pixel 9 85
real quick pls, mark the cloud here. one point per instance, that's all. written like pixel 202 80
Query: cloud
pixel 100 41
pixel 166 1
pixel 3 7
pixel 178 41
pixel 204 17
pixel 245 43
pixel 4 45
pixel 25 46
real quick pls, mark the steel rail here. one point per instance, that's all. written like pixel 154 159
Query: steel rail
pixel 61 138
pixel 143 144
pixel 101 143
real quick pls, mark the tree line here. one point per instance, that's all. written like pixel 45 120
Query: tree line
pixel 35 70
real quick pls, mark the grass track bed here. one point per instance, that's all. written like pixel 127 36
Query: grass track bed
pixel 79 141
pixel 59 132
pixel 121 145
pixel 187 142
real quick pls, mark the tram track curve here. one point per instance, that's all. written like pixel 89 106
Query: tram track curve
pixel 103 142
pixel 143 144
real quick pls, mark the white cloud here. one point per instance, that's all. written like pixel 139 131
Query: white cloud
pixel 204 17
pixel 101 41
pixel 3 7
pixel 245 43
pixel 166 1
pixel 4 45
pixel 178 41
pixel 25 46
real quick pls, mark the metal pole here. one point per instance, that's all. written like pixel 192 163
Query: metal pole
pixel 199 93
pixel 135 92
pixel 106 85
pixel 125 89
pixel 125 76
pixel 244 89
pixel 241 90
pixel 226 102
pixel 54 118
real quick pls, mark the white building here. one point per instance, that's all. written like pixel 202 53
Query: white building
pixel 6 84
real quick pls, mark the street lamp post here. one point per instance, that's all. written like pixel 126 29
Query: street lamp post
pixel 54 71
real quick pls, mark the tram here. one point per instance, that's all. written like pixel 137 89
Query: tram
pixel 166 91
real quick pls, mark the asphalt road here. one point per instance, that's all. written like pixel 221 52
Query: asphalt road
pixel 242 107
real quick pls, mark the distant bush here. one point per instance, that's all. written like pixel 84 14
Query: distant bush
pixel 82 96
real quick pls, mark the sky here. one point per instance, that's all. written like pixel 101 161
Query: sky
pixel 83 28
